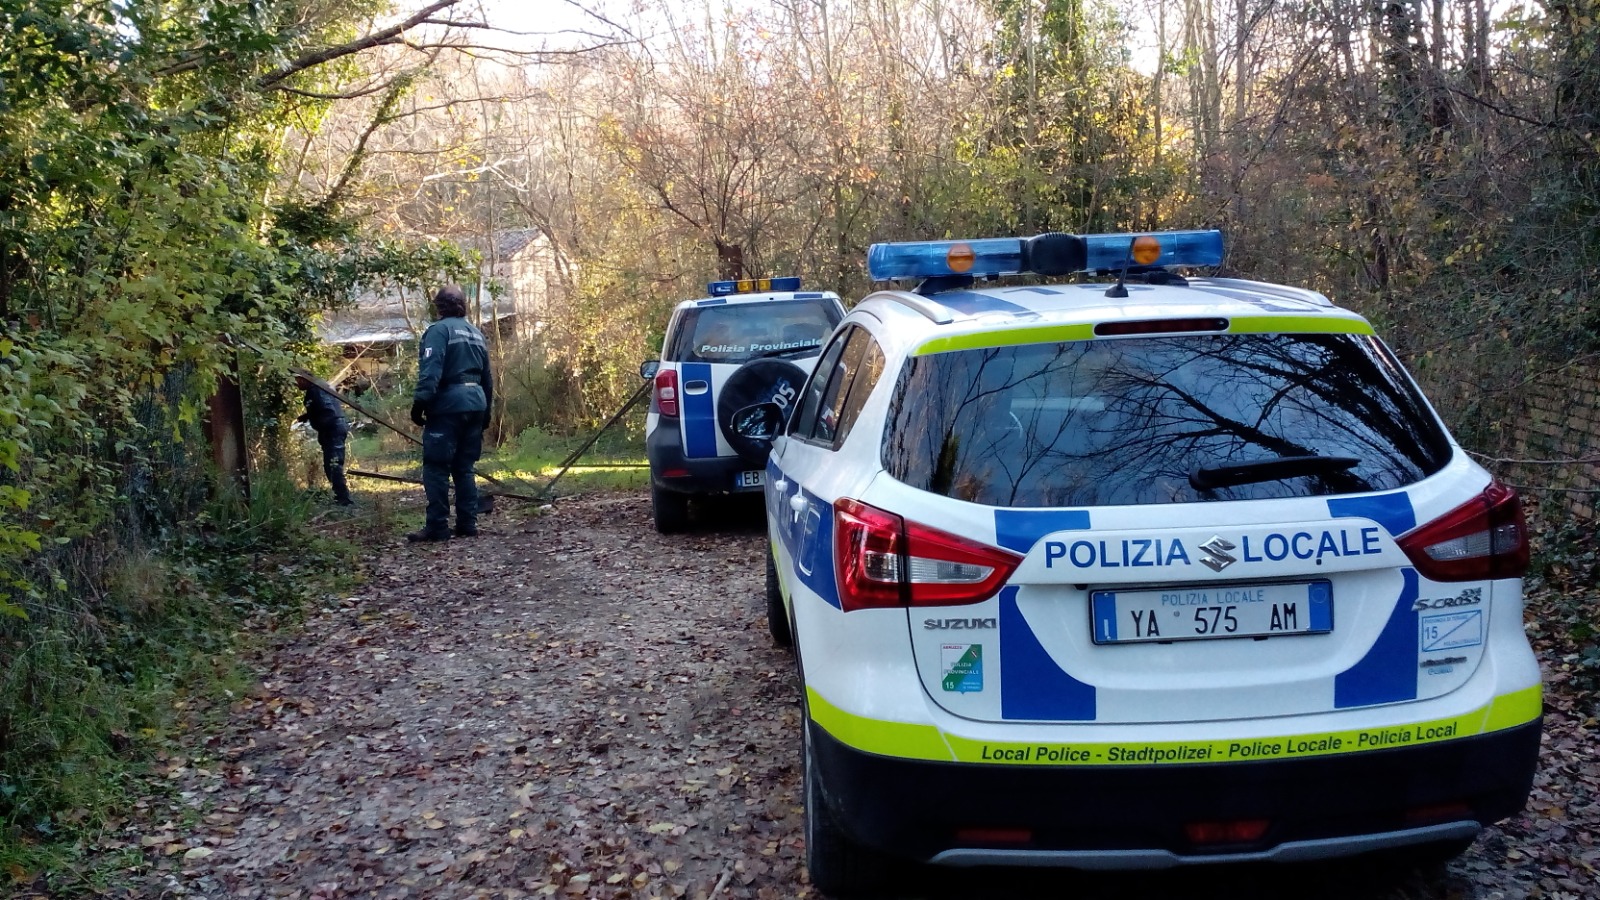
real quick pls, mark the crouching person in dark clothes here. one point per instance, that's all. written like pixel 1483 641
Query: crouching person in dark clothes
pixel 454 391
pixel 327 420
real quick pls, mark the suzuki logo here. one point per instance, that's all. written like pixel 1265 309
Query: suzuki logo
pixel 1216 556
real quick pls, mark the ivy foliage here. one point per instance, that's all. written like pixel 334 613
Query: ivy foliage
pixel 141 247
pixel 137 240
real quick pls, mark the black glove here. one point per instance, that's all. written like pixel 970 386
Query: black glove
pixel 419 415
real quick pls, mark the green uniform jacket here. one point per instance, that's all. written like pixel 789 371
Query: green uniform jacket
pixel 453 369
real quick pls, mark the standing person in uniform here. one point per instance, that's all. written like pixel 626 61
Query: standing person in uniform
pixel 454 391
pixel 326 418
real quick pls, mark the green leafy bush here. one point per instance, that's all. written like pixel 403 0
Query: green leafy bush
pixel 143 263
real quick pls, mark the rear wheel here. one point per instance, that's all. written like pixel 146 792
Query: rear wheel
pixel 839 867
pixel 670 510
pixel 777 616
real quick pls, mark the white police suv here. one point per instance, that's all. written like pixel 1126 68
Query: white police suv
pixel 750 341
pixel 1140 574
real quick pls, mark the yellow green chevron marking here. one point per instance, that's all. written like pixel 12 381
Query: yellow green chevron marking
pixel 909 741
pixel 1006 337
pixel 1046 334
pixel 1297 325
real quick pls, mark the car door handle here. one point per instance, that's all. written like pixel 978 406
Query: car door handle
pixel 798 503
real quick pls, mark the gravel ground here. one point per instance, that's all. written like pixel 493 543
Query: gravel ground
pixel 572 705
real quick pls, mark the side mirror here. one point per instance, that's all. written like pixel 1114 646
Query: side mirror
pixel 761 422
pixel 649 368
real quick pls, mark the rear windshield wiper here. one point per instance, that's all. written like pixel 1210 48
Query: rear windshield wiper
pixel 1206 478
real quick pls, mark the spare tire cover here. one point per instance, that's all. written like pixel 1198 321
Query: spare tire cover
pixel 757 381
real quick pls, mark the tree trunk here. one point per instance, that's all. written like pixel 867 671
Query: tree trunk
pixel 1153 219
pixel 730 259
pixel 225 432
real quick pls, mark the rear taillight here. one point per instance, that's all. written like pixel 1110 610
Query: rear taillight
pixel 667 392
pixel 883 561
pixel 1486 537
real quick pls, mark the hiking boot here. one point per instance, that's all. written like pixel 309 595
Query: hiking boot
pixel 466 531
pixel 423 536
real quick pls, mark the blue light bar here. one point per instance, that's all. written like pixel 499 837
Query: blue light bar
pixel 926 259
pixel 754 286
pixel 1177 248
pixel 1053 254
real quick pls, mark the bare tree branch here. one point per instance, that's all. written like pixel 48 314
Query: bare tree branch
pixel 507 51
pixel 1583 144
pixel 391 35
pixel 383 116
pixel 346 95
pixel 1588 461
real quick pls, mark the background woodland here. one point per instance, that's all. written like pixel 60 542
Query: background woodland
pixel 189 184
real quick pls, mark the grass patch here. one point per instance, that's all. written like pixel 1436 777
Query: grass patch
pixel 525 466
pixel 616 462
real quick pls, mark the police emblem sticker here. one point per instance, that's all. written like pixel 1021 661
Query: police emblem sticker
pixel 1451 631
pixel 963 667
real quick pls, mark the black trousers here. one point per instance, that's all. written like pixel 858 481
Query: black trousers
pixel 451 444
pixel 333 441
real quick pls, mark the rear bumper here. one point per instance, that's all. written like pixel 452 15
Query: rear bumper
pixel 1131 817
pixel 671 470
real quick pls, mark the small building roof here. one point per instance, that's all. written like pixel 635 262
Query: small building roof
pixel 347 330
pixel 506 243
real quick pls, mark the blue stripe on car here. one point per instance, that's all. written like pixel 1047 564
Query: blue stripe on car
pixel 1392 511
pixel 814 562
pixel 1020 529
pixel 807 537
pixel 1388 673
pixel 774 498
pixel 1032 686
pixel 699 412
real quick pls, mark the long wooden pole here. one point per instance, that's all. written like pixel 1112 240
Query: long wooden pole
pixel 324 386
pixel 406 479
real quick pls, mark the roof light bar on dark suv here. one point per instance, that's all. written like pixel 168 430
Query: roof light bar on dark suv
pixel 753 285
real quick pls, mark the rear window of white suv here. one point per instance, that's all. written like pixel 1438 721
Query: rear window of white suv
pixel 1147 419
pixel 740 332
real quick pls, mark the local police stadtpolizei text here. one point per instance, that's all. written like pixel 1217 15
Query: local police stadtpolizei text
pixel 1249 749
pixel 759 348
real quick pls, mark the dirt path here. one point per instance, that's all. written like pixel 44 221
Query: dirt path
pixel 572 705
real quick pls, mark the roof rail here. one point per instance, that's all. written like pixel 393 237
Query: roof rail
pixel 936 312
pixel 1262 287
